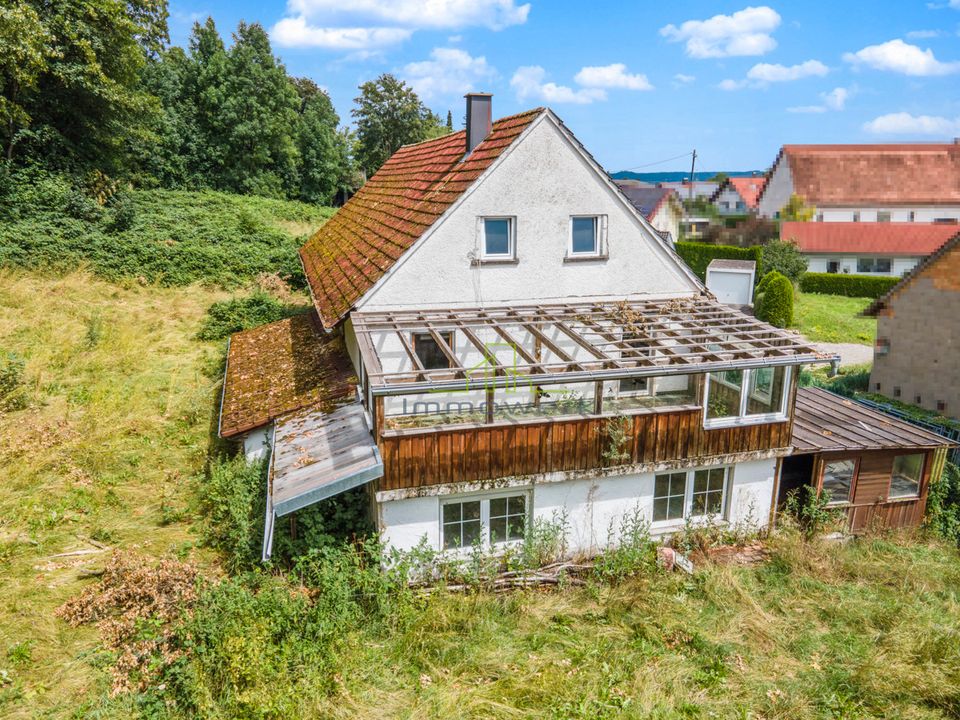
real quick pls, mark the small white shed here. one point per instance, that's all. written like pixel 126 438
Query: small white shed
pixel 732 280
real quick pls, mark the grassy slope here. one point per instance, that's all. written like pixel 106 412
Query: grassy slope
pixel 834 319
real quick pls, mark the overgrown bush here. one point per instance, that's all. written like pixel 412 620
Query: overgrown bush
pixel 232 500
pixel 13 393
pixel 809 510
pixel 943 505
pixel 698 255
pixel 775 304
pixel 849 380
pixel 630 549
pixel 230 316
pixel 866 286
pixel 784 257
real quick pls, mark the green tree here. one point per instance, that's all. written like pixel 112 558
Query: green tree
pixel 775 300
pixel 388 114
pixel 796 210
pixel 449 121
pixel 82 106
pixel 784 257
pixel 324 160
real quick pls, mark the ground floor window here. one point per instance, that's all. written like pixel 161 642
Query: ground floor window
pixel 838 480
pixel 489 521
pixel 690 493
pixel 907 472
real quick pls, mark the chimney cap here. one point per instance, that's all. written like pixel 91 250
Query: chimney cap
pixel 477 94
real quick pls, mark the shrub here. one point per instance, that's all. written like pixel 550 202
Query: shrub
pixel 230 316
pixel 866 286
pixel 13 395
pixel 849 381
pixel 784 257
pixel 775 303
pixel 943 505
pixel 233 502
pixel 809 510
pixel 124 213
pixel 698 255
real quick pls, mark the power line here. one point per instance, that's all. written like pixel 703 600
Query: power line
pixel 660 162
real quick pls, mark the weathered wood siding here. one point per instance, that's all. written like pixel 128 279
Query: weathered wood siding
pixel 484 452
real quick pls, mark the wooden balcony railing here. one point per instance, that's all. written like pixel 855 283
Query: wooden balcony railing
pixel 471 453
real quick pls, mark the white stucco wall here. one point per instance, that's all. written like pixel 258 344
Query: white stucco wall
pixel 256 443
pixel 777 191
pixel 541 181
pixel 667 219
pixel 921 213
pixel 593 507
pixel 848 264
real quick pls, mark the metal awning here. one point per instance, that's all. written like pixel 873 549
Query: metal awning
pixel 316 455
pixel 571 342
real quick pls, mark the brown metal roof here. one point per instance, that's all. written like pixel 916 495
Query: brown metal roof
pixel 280 367
pixel 826 422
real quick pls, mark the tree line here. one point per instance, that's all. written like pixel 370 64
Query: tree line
pixel 94 87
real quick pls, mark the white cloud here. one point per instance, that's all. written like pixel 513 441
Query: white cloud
pixel 296 32
pixel 371 24
pixel 745 32
pixel 612 76
pixel 900 57
pixel 836 99
pixel 449 71
pixel 682 79
pixel 528 82
pixel 903 123
pixel 768 73
pixel 762 74
pixel 924 34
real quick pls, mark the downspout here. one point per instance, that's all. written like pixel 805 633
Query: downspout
pixel 269 517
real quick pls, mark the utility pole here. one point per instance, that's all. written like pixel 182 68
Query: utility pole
pixel 693 165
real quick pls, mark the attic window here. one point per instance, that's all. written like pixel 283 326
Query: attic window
pixel 883 216
pixel 585 236
pixel 498 240
pixel 430 353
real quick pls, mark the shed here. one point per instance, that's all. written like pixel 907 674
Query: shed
pixel 732 280
pixel 875 467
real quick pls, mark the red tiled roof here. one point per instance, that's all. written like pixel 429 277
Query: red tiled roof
pixel 910 173
pixel 280 367
pixel 874 238
pixel 749 188
pixel 360 243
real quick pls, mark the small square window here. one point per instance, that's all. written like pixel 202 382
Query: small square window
pixel 669 496
pixel 708 490
pixel 508 519
pixel 498 240
pixel 907 472
pixel 430 353
pixel 883 216
pixel 941 406
pixel 912 216
pixel 584 236
pixel 896 391
pixel 883 346
pixel 838 480
pixel 461 524
pixel 877 388
pixel 918 400
pixel 856 217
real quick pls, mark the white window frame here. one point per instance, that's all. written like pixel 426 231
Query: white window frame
pixel 742 418
pixel 512 238
pixel 688 495
pixel 600 224
pixel 484 499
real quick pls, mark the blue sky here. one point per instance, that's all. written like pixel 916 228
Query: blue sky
pixel 640 82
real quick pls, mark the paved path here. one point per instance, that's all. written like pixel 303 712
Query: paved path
pixel 850 353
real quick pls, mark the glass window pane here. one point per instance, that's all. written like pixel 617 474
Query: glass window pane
pixel 723 398
pixel 471 532
pixel 676 507
pixel 907 472
pixel 837 480
pixel 700 480
pixel 498 529
pixel 660 509
pixel 699 506
pixel 471 510
pixel 517 504
pixel 766 391
pixel 661 486
pixel 429 352
pixel 584 235
pixel 498 506
pixel 516 526
pixel 717 476
pixel 496 236
pixel 714 502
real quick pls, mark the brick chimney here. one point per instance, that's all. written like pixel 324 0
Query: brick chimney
pixel 479 118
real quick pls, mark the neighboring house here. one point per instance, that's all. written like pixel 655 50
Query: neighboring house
pixel 738 195
pixel 907 182
pixel 501 338
pixel 701 188
pixel 918 335
pixel 693 228
pixel 865 249
pixel 876 468
pixel 661 206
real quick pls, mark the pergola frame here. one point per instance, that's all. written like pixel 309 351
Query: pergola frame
pixel 628 339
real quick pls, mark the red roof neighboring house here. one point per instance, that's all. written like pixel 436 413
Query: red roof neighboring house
pixel 408 194
pixel 857 175
pixel 749 188
pixel 911 239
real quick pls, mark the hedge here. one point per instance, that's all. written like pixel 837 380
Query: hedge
pixel 775 303
pixel 698 255
pixel 865 286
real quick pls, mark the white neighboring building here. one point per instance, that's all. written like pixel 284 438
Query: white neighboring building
pixel 865 249
pixel 491 314
pixel 905 182
pixel 660 205
pixel 738 195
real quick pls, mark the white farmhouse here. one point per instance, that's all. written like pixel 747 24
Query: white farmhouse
pixel 907 182
pixel 501 338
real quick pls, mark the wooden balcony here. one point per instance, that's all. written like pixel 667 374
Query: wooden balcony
pixel 477 452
